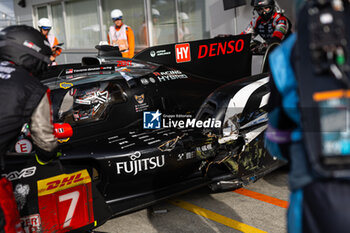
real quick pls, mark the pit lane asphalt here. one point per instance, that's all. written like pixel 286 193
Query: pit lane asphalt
pixel 258 207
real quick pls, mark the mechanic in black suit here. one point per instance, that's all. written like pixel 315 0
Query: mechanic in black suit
pixel 24 54
pixel 271 25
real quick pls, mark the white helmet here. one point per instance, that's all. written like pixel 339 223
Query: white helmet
pixel 155 12
pixel 183 16
pixel 116 14
pixel 45 23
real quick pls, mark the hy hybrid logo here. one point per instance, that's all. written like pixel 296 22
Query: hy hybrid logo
pixel 183 53
pixel 151 120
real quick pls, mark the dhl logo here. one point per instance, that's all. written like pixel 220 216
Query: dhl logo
pixel 62 182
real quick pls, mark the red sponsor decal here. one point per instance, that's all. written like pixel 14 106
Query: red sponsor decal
pixel 217 49
pixel 183 53
pixel 69 71
pixel 66 210
pixel 64 182
pixel 123 63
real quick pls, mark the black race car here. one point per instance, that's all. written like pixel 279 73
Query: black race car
pixel 175 118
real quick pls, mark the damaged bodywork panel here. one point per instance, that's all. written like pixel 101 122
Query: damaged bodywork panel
pixel 175 118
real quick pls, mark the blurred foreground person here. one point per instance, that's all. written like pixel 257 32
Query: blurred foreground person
pixel 309 117
pixel 24 54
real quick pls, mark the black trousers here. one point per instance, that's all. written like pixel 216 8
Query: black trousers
pixel 326 207
pixel 2 221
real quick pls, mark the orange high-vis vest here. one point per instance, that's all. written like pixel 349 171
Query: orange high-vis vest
pixel 53 41
pixel 124 38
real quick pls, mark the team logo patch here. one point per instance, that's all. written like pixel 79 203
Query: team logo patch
pixel 23 146
pixel 140 98
pixel 152 120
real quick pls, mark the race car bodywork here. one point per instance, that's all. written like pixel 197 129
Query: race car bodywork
pixel 143 132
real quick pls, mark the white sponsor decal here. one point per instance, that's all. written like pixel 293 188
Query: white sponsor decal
pixel 137 165
pixel 170 75
pixel 5 72
pixel 31 45
pixel 191 123
pixel 15 175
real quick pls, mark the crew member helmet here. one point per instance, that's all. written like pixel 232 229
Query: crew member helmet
pixel 26 47
pixel 155 12
pixel 264 8
pixel 183 16
pixel 45 23
pixel 116 14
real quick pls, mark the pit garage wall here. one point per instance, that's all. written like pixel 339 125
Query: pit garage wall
pixel 218 21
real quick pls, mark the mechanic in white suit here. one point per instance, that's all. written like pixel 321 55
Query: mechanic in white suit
pixel 122 35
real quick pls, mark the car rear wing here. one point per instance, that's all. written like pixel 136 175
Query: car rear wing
pixel 222 58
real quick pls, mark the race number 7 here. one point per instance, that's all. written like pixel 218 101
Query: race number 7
pixel 74 196
pixel 65 202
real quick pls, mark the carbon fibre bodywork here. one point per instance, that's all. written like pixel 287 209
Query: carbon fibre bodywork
pixel 117 165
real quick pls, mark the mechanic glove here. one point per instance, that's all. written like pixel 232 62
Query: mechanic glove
pixel 260 49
